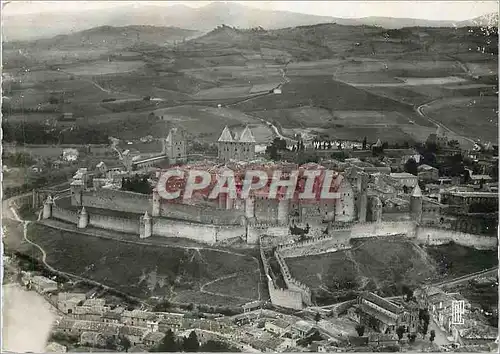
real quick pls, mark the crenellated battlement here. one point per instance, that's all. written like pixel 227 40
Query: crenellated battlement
pixel 291 282
pixel 264 224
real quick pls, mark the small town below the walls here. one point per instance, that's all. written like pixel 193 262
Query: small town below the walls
pixel 402 258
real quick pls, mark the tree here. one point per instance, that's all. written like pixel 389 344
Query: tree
pixel 317 317
pixel 191 344
pixel 400 331
pixel 466 176
pixel 217 346
pixel 364 143
pixel 124 343
pixel 433 335
pixel 360 329
pixel 424 328
pixel 407 292
pixel 411 166
pixel 168 344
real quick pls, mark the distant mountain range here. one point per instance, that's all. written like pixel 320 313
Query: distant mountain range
pixel 35 26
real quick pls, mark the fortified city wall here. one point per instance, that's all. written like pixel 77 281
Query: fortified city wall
pixel 200 232
pixel 436 236
pixel 292 283
pixel 64 214
pixel 202 214
pixel 115 200
pixel 280 297
pixel 114 223
pixel 313 246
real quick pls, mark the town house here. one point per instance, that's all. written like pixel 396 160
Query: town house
pixel 152 339
pixel 137 318
pixel 134 334
pixel 66 302
pixel 384 316
pixel 276 326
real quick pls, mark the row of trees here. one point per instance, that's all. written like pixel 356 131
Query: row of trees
pixel 190 344
pixel 38 133
pixel 17 159
pixel 400 331
pixel 137 184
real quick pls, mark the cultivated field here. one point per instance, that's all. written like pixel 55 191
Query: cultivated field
pixel 104 67
pixel 475 117
pixel 139 270
pixel 208 122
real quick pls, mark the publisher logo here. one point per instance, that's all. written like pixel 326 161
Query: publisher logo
pixel 303 184
pixel 457 312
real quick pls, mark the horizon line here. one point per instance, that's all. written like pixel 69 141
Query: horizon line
pixel 246 4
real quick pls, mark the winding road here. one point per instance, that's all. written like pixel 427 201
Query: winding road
pixel 420 111
pixel 9 212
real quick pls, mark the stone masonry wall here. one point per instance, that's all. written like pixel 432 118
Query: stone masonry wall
pixel 64 214
pixel 280 297
pixel 377 229
pixel 202 214
pixel 117 200
pixel 313 246
pixel 436 236
pixel 292 283
pixel 114 223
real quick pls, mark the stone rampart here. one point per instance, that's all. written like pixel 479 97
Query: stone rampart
pixel 64 214
pixel 114 223
pixel 280 297
pixel 171 228
pixel 199 232
pixel 117 200
pixel 313 246
pixel 436 236
pixel 228 232
pixel 291 282
pixel 203 214
pixel 285 298
pixel 384 228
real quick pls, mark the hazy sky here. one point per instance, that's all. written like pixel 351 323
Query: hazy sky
pixel 432 10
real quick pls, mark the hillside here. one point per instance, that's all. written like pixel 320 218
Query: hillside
pixel 107 37
pixel 145 271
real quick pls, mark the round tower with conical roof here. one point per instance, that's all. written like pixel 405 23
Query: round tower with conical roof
pixel 83 219
pixel 416 204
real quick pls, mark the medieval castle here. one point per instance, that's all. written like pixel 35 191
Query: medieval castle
pixel 362 210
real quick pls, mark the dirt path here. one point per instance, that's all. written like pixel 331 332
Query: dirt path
pixel 421 112
pixel 225 277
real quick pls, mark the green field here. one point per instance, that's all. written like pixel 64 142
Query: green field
pixel 139 270
pixel 366 266
pixel 455 260
pixel 476 117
